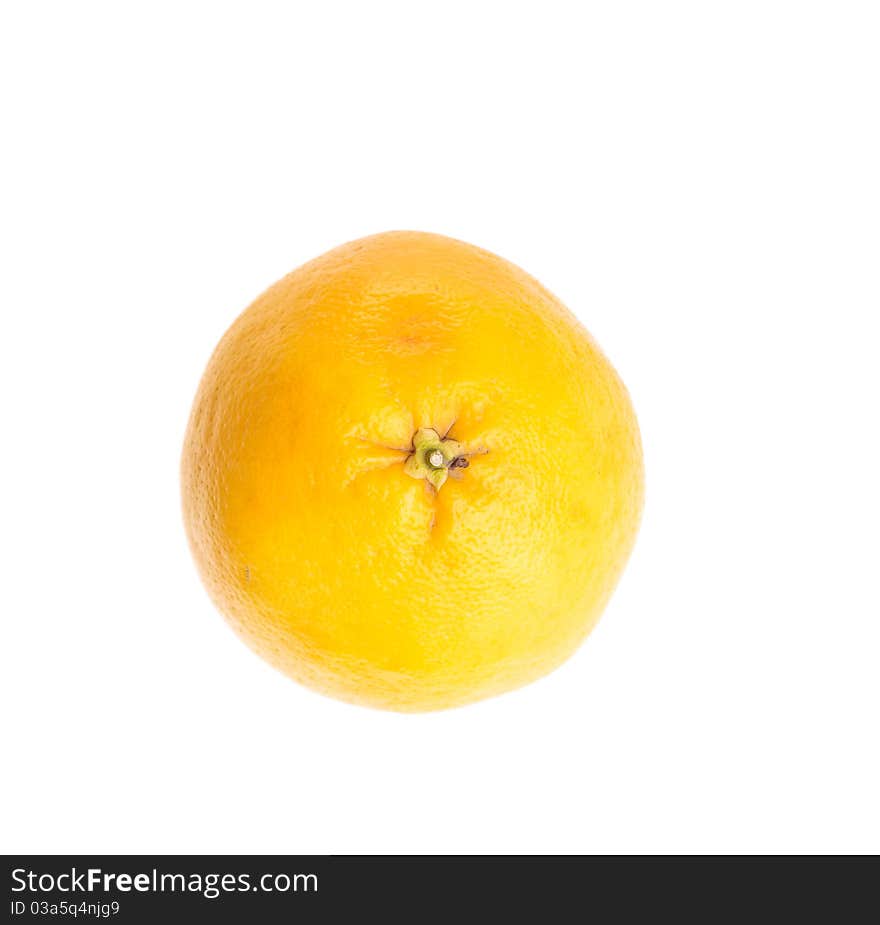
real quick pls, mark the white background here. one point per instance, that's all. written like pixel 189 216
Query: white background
pixel 700 182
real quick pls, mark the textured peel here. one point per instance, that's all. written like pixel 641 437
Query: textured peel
pixel 305 487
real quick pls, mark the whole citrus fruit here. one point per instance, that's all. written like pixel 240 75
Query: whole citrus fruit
pixel 411 479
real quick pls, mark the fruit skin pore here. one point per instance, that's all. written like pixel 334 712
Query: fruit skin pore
pixel 325 545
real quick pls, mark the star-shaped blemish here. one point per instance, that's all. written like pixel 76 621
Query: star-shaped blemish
pixel 433 457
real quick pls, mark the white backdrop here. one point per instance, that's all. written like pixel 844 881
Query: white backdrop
pixel 699 182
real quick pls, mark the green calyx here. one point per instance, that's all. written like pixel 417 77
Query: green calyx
pixel 432 457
